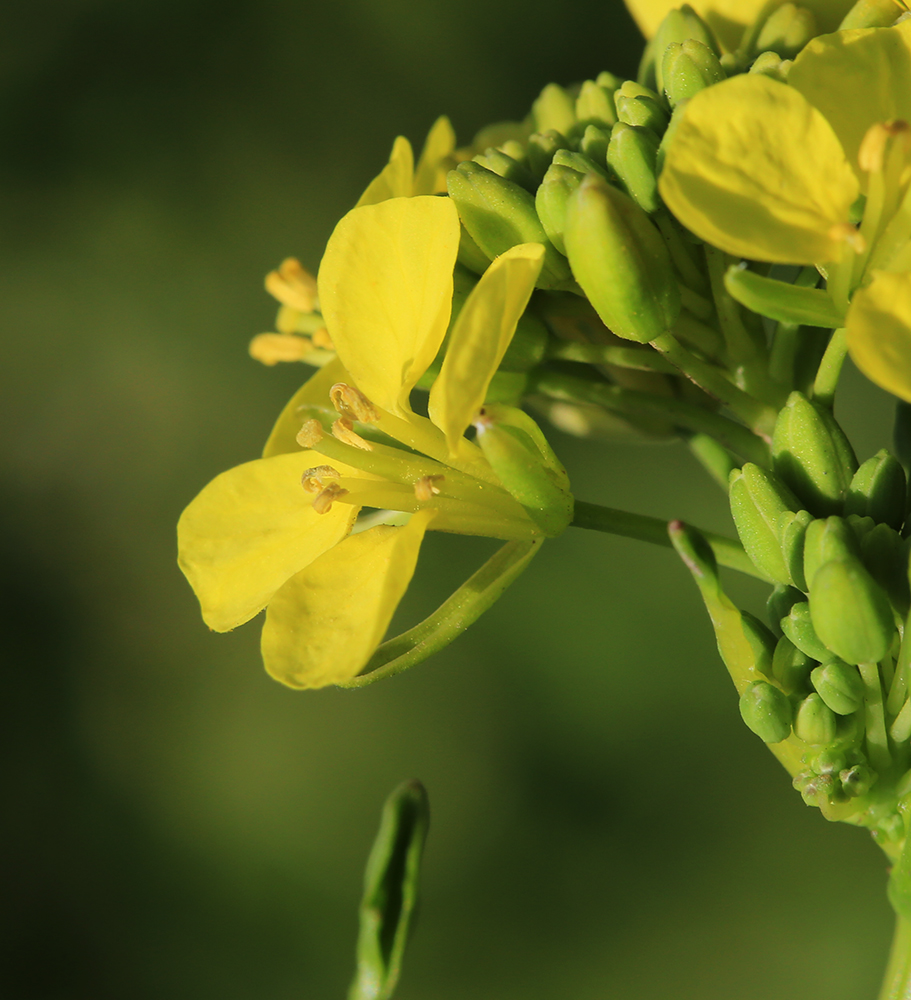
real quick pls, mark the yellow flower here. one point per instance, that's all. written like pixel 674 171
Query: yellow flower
pixel 276 531
pixel 772 172
pixel 401 179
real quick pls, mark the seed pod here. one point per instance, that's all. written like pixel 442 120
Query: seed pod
pixel 687 68
pixel 632 156
pixel 812 455
pixel 791 666
pixel 787 30
pixel 595 104
pixel 798 627
pixel 551 198
pixel 792 530
pixel 878 490
pixel 850 612
pixel 620 260
pixel 827 539
pixel 758 501
pixel 766 711
pixel 815 721
pixel 840 686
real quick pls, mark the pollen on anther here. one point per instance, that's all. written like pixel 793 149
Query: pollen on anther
pixel 312 479
pixel 426 489
pixel 322 339
pixel 310 434
pixel 352 404
pixel 323 503
pixel 344 432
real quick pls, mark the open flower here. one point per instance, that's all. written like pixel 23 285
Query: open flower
pixel 276 531
pixel 773 172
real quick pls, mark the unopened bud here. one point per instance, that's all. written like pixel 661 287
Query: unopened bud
pixel 798 627
pixel 766 711
pixel 827 539
pixel 632 155
pixel 790 665
pixel 857 780
pixel 871 14
pixel 540 150
pixel 792 530
pixel 850 612
pixel 689 67
pixel 554 109
pixel 815 721
pixel 840 686
pixel 579 162
pixel 595 104
pixel 770 64
pixel 642 111
pixel 550 201
pixel 680 26
pixel 780 602
pixel 758 501
pixel 885 554
pixel 787 30
pixel 594 143
pixel 506 166
pixel 878 490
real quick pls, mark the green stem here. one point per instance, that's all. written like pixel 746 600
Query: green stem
pixel 717 461
pixel 874 717
pixel 593 516
pixel 897 981
pixel 622 357
pixel 830 368
pixel 742 347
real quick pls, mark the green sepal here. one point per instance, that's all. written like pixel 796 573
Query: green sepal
pixel 641 111
pixel 632 155
pixel 832 538
pixel 885 554
pixel 678 26
pixel 507 166
pixel 870 14
pixel 792 531
pixel 770 64
pixel 878 490
pixel 687 68
pixel 390 892
pixel 779 603
pixel 579 162
pixel 798 627
pixel 780 300
pixel 554 108
pixel 815 721
pixel 758 501
pixel 499 214
pixel 540 150
pixel 791 666
pixel 850 612
pixel 595 104
pixel 620 260
pixel 766 711
pixel 811 453
pixel 786 31
pixel 471 256
pixel 840 686
pixel 594 143
pixel 551 198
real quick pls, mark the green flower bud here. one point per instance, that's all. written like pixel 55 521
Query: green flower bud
pixel 860 526
pixel 680 26
pixel 780 602
pixel 470 254
pixel 850 612
pixel 791 666
pixel 632 155
pixel 870 14
pixel 827 539
pixel 828 762
pixel 770 64
pixel 766 711
pixel 840 686
pixel 687 68
pixel 644 112
pixel 579 162
pixel 620 260
pixel 551 198
pixel 812 455
pixel 857 780
pixel 555 109
pixel 787 30
pixel 595 103
pixel 506 166
pixel 819 789
pixel 878 490
pixel 594 143
pixel 540 150
pixel 798 627
pixel 792 530
pixel 815 721
pixel 761 642
pixel 758 500
pixel 525 463
pixel 499 215
pixel 885 554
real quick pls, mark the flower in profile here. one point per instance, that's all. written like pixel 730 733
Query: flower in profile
pixel 277 531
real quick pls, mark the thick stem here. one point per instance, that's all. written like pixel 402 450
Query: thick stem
pixel 897 981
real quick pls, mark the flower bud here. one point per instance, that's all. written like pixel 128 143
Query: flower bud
pixel 595 103
pixel 758 500
pixel 878 490
pixel 632 154
pixel 499 215
pixel 687 68
pixel 885 554
pixel 770 64
pixel 780 602
pixel 680 26
pixel 828 762
pixel 827 539
pixel 840 686
pixel 551 198
pixel 470 254
pixel 870 14
pixel 790 665
pixel 579 162
pixel 798 627
pixel 642 111
pixel 812 455
pixel 594 143
pixel 815 721
pixel 554 109
pixel 792 530
pixel 766 711
pixel 850 612
pixel 528 345
pixel 857 780
pixel 620 260
pixel 787 30
pixel 506 166
pixel 540 150
pixel 761 642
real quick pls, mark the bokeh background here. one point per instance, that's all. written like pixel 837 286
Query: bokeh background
pixel 176 824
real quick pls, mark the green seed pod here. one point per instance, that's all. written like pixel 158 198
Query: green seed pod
pixel 689 67
pixel 578 162
pixel 878 490
pixel 499 215
pixel 815 721
pixel 831 538
pixel 632 155
pixel 620 260
pixel 812 455
pixel 885 554
pixel 758 500
pixel 840 686
pixel 787 30
pixel 643 112
pixel 792 530
pixel 857 780
pixel 551 198
pixel 770 64
pixel 594 143
pixel 850 612
pixel 531 474
pixel 555 109
pixel 506 166
pixel 780 602
pixel 791 666
pixel 798 627
pixel 766 711
pixel 540 150
pixel 595 104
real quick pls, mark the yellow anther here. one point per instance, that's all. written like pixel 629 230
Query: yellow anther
pixel 312 479
pixel 270 348
pixel 323 503
pixel 344 432
pixel 426 489
pixel 845 232
pixel 352 404
pixel 872 153
pixel 293 286
pixel 310 435
pixel 322 339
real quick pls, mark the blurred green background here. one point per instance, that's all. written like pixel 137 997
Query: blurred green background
pixel 176 824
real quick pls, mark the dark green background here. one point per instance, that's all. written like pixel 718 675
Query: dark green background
pixel 176 824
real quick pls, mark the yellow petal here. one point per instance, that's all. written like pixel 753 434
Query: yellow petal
pixel 430 175
pixel 480 336
pixel 324 624
pixel 396 179
pixel 879 332
pixel 251 529
pixel 312 395
pixel 857 78
pixel 385 286
pixel 756 170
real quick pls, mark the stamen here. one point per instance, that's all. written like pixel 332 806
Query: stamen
pixel 310 435
pixel 352 404
pixel 344 432
pixel 426 489
pixel 322 339
pixel 270 348
pixel 312 479
pixel 850 235
pixel 323 503
pixel 293 286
